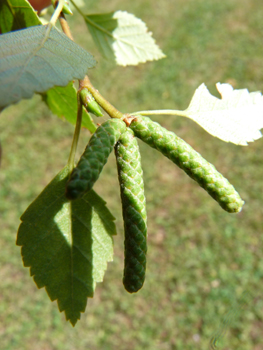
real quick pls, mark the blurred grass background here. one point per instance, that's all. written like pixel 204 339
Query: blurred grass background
pixel 205 266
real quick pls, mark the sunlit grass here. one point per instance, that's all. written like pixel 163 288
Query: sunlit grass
pixel 200 259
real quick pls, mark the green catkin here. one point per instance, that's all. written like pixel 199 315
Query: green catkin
pixel 133 209
pixel 94 158
pixel 180 153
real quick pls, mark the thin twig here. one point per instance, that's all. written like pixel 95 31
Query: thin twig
pixel 106 105
pixel 65 26
pixel 76 136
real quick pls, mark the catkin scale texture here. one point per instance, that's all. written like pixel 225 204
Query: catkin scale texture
pixel 133 209
pixel 182 154
pixel 94 158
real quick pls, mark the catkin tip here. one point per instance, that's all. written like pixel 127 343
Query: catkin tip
pixel 235 207
pixel 72 194
pixel 132 286
pixel 241 206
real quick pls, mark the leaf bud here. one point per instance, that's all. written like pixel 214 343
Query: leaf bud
pixel 89 102
pixel 66 9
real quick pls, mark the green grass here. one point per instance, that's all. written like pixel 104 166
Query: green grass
pixel 201 260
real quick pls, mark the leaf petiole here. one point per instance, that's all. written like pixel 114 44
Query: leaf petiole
pixel 77 8
pixel 57 12
pixel 92 23
pixel 75 140
pixel 162 112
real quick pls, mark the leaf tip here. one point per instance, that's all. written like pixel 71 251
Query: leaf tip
pixel 73 321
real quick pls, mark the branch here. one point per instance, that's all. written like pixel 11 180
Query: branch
pixel 85 83
pixel 106 105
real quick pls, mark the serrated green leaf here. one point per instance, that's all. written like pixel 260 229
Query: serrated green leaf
pixel 236 118
pixel 62 101
pixel 67 245
pixel 36 59
pixel 17 14
pixel 123 37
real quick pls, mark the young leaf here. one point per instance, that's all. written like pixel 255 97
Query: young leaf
pixel 67 245
pixel 236 118
pixel 17 14
pixel 62 101
pixel 36 59
pixel 123 37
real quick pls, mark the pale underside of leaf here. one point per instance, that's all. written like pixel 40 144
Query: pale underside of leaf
pixel 236 118
pixel 122 36
pixel 36 59
pixel 67 245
